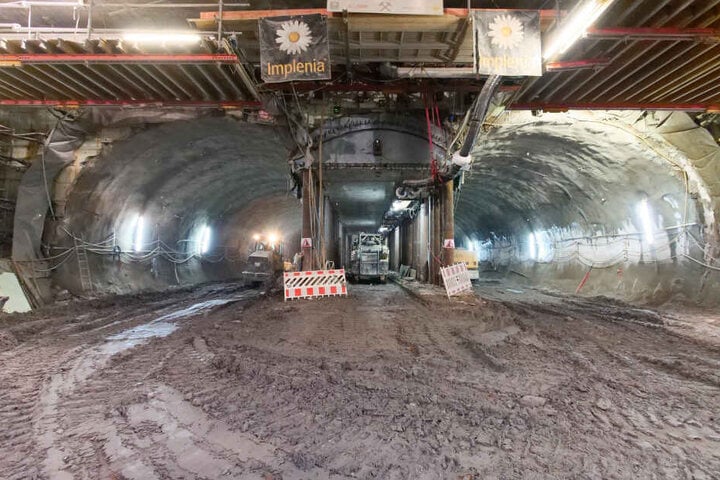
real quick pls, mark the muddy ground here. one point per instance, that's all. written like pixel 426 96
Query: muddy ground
pixel 389 383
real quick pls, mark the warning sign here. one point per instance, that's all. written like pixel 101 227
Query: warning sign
pixel 306 242
pixel 449 243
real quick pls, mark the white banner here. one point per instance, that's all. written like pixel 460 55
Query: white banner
pixel 396 7
pixel 507 42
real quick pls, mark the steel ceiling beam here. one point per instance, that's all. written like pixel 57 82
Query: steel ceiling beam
pixel 564 107
pixel 128 103
pixel 657 34
pixel 85 58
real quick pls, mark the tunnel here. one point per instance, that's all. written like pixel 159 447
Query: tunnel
pixel 537 204
pixel 378 240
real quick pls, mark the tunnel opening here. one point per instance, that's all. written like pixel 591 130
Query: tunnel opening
pixel 554 201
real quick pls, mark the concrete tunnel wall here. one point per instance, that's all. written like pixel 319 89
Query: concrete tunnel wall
pixel 550 197
pixel 227 174
pixel 570 179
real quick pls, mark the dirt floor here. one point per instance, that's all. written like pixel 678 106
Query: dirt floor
pixel 389 383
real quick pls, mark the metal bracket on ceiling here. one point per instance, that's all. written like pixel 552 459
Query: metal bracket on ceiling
pixel 242 72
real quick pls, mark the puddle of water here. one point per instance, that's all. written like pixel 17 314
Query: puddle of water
pixel 161 326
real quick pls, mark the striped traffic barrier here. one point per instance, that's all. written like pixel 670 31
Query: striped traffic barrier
pixel 456 279
pixel 315 283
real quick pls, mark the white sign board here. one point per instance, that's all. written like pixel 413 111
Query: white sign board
pixel 306 242
pixel 396 7
pixel 449 243
pixel 507 42
pixel 10 287
pixel 456 279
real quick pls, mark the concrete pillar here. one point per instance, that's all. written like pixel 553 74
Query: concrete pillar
pixel 436 238
pixel 328 251
pixel 307 260
pixel 340 242
pixel 421 242
pixel 448 203
pixel 395 252
pixel 410 244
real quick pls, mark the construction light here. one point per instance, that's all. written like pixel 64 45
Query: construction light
pixel 205 239
pixel 643 210
pixel 162 38
pixel 256 237
pixel 272 238
pixel 574 26
pixel 139 234
pixel 532 246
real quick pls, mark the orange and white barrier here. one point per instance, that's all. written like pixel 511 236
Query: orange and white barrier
pixel 315 283
pixel 456 279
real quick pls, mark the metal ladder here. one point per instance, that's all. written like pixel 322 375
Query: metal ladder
pixel 83 267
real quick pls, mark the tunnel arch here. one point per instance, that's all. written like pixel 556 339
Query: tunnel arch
pixel 181 176
pixel 555 176
pixel 577 185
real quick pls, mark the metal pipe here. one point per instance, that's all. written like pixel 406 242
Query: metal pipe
pixel 241 72
pixel 220 20
pixel 480 110
pixel 89 19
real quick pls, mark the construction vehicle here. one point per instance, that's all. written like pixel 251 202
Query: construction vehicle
pixel 265 259
pixel 470 259
pixel 369 257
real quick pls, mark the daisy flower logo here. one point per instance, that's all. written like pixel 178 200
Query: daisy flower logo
pixel 506 32
pixel 293 37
